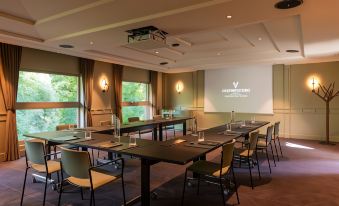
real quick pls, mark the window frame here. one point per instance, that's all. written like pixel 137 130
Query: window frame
pixel 146 103
pixel 52 105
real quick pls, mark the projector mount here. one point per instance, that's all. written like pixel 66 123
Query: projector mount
pixel 146 33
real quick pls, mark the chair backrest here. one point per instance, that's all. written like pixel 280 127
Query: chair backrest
pixel 75 163
pixel 276 129
pixel 157 117
pixel 227 154
pixel 65 126
pixel 133 119
pixel 105 123
pixel 253 140
pixel 35 152
pixel 269 134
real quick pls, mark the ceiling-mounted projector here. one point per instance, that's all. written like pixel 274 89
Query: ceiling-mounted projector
pixel 146 38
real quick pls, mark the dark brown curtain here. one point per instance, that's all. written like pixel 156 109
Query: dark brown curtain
pixel 86 69
pixel 117 88
pixel 9 75
pixel 154 87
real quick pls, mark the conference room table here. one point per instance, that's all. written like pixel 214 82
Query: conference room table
pixel 179 150
pixel 155 125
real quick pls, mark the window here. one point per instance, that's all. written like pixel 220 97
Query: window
pixel 45 101
pixel 135 100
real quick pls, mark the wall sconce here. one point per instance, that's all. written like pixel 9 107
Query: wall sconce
pixel 179 87
pixel 313 83
pixel 104 85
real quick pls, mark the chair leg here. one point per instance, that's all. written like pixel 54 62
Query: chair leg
pixel 235 185
pixel 92 157
pixel 91 199
pixel 82 193
pixel 61 184
pixel 222 191
pixel 280 147
pixel 273 155
pixel 123 189
pixel 268 160
pixel 47 177
pixel 198 184
pixel 174 130
pixel 183 191
pixel 256 156
pixel 249 167
pixel 23 187
pixel 276 150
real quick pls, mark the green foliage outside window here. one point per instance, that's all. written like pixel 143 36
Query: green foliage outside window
pixel 41 87
pixel 134 92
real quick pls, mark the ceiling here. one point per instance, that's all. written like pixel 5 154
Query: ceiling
pixel 257 33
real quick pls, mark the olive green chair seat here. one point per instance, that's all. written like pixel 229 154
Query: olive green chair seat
pixel 52 166
pixel 98 179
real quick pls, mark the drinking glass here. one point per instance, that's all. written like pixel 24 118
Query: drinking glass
pixel 132 141
pixel 253 119
pixel 201 136
pixel 88 135
pixel 243 123
pixel 228 127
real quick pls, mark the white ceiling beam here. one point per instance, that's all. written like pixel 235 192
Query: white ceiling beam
pixel 21 36
pixel 301 37
pixel 148 53
pixel 139 19
pixel 174 51
pixel 187 43
pixel 244 37
pixel 73 11
pixel 270 37
pixel 16 18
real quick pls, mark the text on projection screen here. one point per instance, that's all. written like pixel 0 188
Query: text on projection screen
pixel 243 90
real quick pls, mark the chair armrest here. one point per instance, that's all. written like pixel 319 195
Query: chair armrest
pixel 48 155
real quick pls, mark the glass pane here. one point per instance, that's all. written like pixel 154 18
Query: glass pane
pixel 135 111
pixel 41 120
pixel 41 87
pixel 134 92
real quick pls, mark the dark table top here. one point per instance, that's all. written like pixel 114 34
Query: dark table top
pixel 180 150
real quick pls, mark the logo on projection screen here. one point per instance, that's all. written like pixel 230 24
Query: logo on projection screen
pixel 235 92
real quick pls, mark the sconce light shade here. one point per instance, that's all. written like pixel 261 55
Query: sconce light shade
pixel 179 87
pixel 313 82
pixel 104 85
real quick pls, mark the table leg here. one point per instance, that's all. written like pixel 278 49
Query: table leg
pixel 160 132
pixel 184 128
pixel 145 182
pixel 155 134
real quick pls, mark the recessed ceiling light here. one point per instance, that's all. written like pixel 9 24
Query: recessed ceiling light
pixel 288 4
pixel 175 45
pixel 91 43
pixel 157 52
pixel 292 51
pixel 229 17
pixel 66 46
pixel 219 53
pixel 259 38
pixel 163 63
